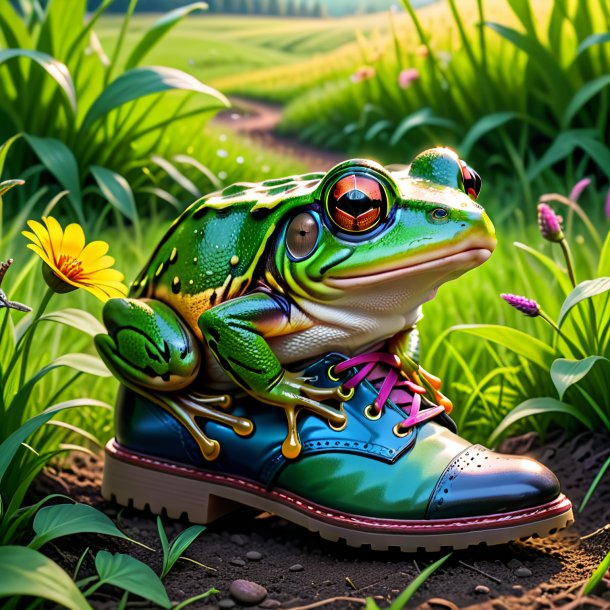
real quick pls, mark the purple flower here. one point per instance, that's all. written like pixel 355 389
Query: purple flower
pixel 406 77
pixel 526 306
pixel 549 223
pixel 607 208
pixel 578 188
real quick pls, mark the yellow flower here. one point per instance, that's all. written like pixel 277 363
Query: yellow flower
pixel 70 264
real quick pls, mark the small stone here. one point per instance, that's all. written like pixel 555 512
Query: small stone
pixel 523 572
pixel 237 562
pixel 297 567
pixel 247 592
pixel 226 603
pixel 270 603
pixel 254 556
pixel 518 590
pixel 481 589
pixel 513 564
pixel 238 539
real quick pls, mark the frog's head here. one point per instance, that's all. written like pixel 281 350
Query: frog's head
pixel 372 231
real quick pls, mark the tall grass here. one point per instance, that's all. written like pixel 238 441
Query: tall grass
pixel 515 95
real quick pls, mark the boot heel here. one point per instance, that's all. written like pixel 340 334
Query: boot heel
pixel 131 485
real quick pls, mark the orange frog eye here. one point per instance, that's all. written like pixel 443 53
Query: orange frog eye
pixel 356 203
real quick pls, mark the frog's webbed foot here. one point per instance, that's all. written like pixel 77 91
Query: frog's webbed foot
pixel 187 407
pixel 293 394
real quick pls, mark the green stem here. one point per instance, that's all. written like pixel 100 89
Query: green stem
pixel 575 349
pixel 567 253
pixel 29 335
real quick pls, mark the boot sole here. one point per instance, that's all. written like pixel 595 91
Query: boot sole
pixel 145 482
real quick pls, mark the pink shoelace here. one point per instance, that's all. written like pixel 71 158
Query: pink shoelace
pixel 391 384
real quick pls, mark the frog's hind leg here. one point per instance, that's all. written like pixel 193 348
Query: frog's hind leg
pixel 153 352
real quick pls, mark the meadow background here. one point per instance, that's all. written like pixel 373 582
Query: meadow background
pixel 518 87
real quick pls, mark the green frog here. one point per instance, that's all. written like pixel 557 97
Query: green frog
pixel 252 282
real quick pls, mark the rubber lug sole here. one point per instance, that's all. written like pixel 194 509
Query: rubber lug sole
pixel 144 482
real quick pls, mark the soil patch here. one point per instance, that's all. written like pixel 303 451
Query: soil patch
pixel 299 568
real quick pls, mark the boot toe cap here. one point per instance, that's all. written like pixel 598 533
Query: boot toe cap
pixel 481 482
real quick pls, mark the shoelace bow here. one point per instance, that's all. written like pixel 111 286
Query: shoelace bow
pixel 393 380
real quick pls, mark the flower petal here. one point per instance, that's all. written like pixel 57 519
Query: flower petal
pixel 104 275
pixel 73 241
pixel 32 237
pixel 43 235
pixel 56 235
pixel 43 255
pixel 103 262
pixel 92 252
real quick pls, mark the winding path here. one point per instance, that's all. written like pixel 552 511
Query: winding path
pixel 258 121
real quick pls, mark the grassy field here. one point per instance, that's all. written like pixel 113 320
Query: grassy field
pixel 212 47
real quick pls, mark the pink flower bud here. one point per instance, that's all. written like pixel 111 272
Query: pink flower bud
pixel 549 223
pixel 406 77
pixel 525 306
pixel 578 188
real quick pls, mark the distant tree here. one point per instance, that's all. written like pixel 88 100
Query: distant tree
pixel 305 8
pixel 319 10
pixel 261 7
pixel 292 8
pixel 277 7
pixel 231 6
pixel 246 7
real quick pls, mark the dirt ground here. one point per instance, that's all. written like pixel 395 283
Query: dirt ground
pixel 298 568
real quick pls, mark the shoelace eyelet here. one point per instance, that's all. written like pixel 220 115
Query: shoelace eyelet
pixel 401 432
pixel 370 412
pixel 345 395
pixel 330 373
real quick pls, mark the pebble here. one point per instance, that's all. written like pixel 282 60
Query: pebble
pixel 270 603
pixel 297 567
pixel 238 539
pixel 482 589
pixel 513 564
pixel 237 562
pixel 247 592
pixel 523 572
pixel 254 556
pixel 226 604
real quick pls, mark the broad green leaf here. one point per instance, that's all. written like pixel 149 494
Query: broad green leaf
pixel 520 343
pixel 131 575
pixel 598 151
pixel 76 318
pixel 482 127
pixel 7 185
pixel 592 40
pixel 538 406
pixel 565 373
pixel 28 572
pixel 597 575
pixel 60 161
pixel 140 82
pixel 4 148
pixel 563 146
pixel 11 444
pixel 179 545
pixel 60 520
pixel 584 94
pixel 58 71
pixel 116 190
pixel 419 118
pixel 584 290
pixel 158 29
pixel 85 363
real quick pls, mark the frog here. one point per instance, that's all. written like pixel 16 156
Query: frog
pixel 253 281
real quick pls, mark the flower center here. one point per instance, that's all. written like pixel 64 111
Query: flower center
pixel 70 267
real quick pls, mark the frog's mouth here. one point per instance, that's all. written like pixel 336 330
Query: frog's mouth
pixel 445 266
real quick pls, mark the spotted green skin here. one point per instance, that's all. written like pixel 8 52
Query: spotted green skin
pixel 199 291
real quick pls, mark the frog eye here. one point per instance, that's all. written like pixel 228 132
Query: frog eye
pixel 302 235
pixel 356 203
pixel 472 180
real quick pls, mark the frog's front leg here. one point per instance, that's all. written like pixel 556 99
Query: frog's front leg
pixel 151 351
pixel 236 333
